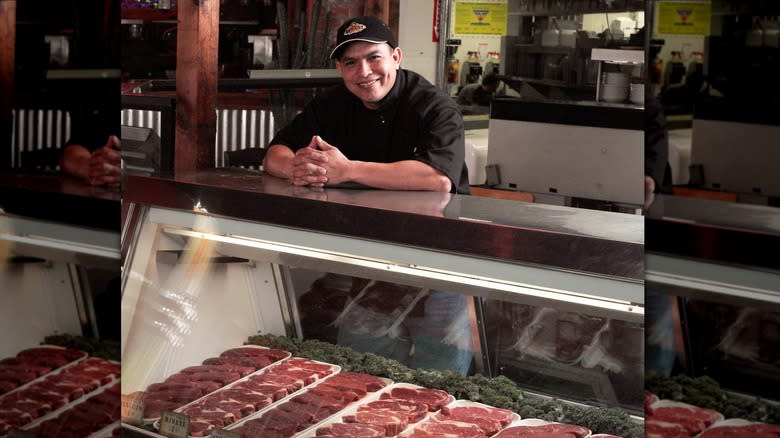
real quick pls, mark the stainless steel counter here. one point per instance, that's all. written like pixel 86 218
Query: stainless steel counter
pixel 715 250
pixel 585 241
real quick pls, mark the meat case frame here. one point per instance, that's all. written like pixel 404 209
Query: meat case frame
pixel 207 257
pixel 719 255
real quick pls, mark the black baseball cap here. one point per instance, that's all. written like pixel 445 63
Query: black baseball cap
pixel 366 28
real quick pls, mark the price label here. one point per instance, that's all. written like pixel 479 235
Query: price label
pixel 174 425
pixel 133 408
pixel 19 433
pixel 222 433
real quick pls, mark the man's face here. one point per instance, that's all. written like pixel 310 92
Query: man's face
pixel 369 70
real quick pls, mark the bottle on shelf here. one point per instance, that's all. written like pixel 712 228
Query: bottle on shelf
pixel 471 72
pixel 492 63
pixel 675 70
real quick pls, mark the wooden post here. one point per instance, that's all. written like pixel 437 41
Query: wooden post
pixel 196 84
pixel 387 10
pixel 378 8
pixel 7 63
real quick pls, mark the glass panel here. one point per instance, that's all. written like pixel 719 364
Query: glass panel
pixel 418 327
pixel 572 355
pixel 735 345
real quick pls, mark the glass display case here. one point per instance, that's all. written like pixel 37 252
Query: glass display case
pixel 59 283
pixel 550 298
pixel 60 239
pixel 713 284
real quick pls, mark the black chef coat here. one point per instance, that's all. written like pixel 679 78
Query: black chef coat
pixel 415 121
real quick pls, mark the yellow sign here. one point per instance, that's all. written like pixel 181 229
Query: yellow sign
pixel 684 18
pixel 480 18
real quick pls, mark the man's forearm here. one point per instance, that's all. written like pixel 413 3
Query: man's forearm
pixel 401 175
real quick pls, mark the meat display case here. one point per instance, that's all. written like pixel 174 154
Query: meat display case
pixel 59 251
pixel 716 263
pixel 551 297
pixel 60 237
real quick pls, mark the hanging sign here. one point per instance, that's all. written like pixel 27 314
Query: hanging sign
pixel 480 17
pixel 684 18
pixel 436 22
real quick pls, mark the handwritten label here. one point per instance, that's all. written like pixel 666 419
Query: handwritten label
pixel 222 433
pixel 174 425
pixel 132 408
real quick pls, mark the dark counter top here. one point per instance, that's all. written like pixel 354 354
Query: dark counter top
pixel 716 231
pixel 599 243
pixel 61 199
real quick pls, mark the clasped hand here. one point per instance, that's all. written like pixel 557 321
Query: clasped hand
pixel 318 164
pixel 105 164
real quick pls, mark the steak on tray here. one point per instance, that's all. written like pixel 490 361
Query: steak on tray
pixel 433 398
pixel 545 430
pixel 352 430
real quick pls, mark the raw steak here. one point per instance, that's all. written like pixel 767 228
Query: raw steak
pixel 312 399
pixel 271 353
pixel 650 398
pixel 756 430
pixel 489 419
pixel 662 429
pixel 225 368
pixel 256 362
pixel 434 398
pixel 276 423
pixel 289 384
pixel 571 430
pixel 447 429
pixel 320 369
pixel 695 419
pixel 273 392
pixel 392 423
pixel 368 382
pixel 352 430
pixel 326 390
pixel 221 377
pixel 413 411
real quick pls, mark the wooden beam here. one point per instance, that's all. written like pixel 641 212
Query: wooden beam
pixel 378 8
pixel 196 84
pixel 387 10
pixel 7 63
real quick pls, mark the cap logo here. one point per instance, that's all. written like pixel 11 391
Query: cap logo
pixel 354 28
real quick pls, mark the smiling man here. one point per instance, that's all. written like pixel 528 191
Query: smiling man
pixel 385 127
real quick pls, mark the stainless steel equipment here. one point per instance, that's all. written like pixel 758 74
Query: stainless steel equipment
pixel 572 149
pixel 734 146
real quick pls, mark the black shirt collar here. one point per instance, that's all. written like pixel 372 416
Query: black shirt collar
pixel 393 96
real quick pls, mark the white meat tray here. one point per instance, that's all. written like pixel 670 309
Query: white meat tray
pixel 336 369
pixel 453 404
pixel 55 413
pixel 348 410
pixel 106 431
pixel 155 420
pixel 536 422
pixel 52 372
